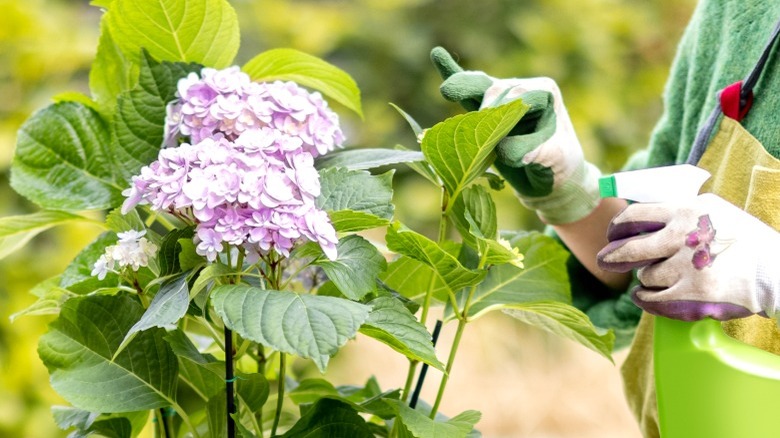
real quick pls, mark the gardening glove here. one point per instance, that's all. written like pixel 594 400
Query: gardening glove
pixel 541 157
pixel 704 258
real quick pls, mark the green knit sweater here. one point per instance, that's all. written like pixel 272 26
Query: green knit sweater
pixel 720 46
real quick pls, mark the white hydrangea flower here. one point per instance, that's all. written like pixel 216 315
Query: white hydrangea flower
pixel 132 249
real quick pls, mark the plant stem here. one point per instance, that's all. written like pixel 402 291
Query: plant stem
pixel 409 379
pixel 280 391
pixel 229 381
pixel 260 370
pixel 186 419
pixel 453 351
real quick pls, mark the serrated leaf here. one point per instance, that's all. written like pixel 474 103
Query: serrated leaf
pixel 330 418
pixel 50 299
pixel 202 373
pixel 78 277
pixel 208 276
pixel 421 426
pixel 366 158
pixel 460 149
pixel 119 223
pixel 356 190
pixel 355 270
pixel 216 415
pixel 418 131
pixel 307 70
pixel 422 168
pixel 346 221
pixel 67 417
pixel 170 248
pixel 392 324
pixel 62 161
pixel 111 73
pixel 168 306
pixel 16 231
pixel 139 122
pixel 446 267
pixel 309 326
pixel 412 278
pixel 368 399
pixel 202 31
pixel 544 277
pixel 117 427
pixel 566 321
pixel 78 357
pixel 253 390
pixel 475 207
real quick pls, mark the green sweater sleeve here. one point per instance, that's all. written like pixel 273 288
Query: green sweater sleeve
pixel 720 45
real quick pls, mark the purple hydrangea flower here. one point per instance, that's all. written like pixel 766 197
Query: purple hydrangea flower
pixel 238 162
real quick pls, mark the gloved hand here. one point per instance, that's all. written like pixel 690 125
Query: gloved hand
pixel 705 258
pixel 541 157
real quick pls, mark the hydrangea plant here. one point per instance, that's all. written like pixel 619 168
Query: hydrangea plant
pixel 232 241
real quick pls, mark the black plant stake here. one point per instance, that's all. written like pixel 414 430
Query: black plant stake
pixel 424 369
pixel 229 380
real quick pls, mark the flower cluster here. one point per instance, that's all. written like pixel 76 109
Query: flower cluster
pixel 246 176
pixel 132 249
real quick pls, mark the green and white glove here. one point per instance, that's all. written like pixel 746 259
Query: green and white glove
pixel 541 157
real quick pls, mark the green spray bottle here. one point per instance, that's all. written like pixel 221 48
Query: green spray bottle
pixel 708 385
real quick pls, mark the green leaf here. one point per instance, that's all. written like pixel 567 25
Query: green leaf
pixel 74 96
pixel 117 427
pixel 62 162
pixel 365 158
pixel 111 73
pixel 460 149
pixel 309 326
pixel 356 268
pixel 50 299
pixel 392 324
pixel 170 248
pixel 208 276
pixel 368 399
pixel 306 70
pixel 253 390
pixel 566 321
pixel 421 426
pixel 356 190
pixel 202 31
pixel 119 223
pixel 446 267
pixel 204 374
pixel 412 279
pixel 478 204
pixel 346 221
pixel 423 168
pixel 139 122
pixel 418 131
pixel 16 231
pixel 78 277
pixel 330 418
pixel 67 417
pixel 168 306
pixel 544 277
pixel 216 415
pixel 78 357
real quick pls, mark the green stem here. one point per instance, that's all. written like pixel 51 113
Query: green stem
pixel 258 417
pixel 279 391
pixel 409 379
pixel 453 352
pixel 463 319
pixel 186 419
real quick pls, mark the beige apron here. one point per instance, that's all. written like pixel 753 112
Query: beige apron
pixel 746 175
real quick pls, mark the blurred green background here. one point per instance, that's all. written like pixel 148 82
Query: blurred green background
pixel 610 58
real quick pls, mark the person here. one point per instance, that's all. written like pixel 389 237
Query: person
pixel 710 257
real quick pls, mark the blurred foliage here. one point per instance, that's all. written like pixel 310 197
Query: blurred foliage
pixel 610 58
